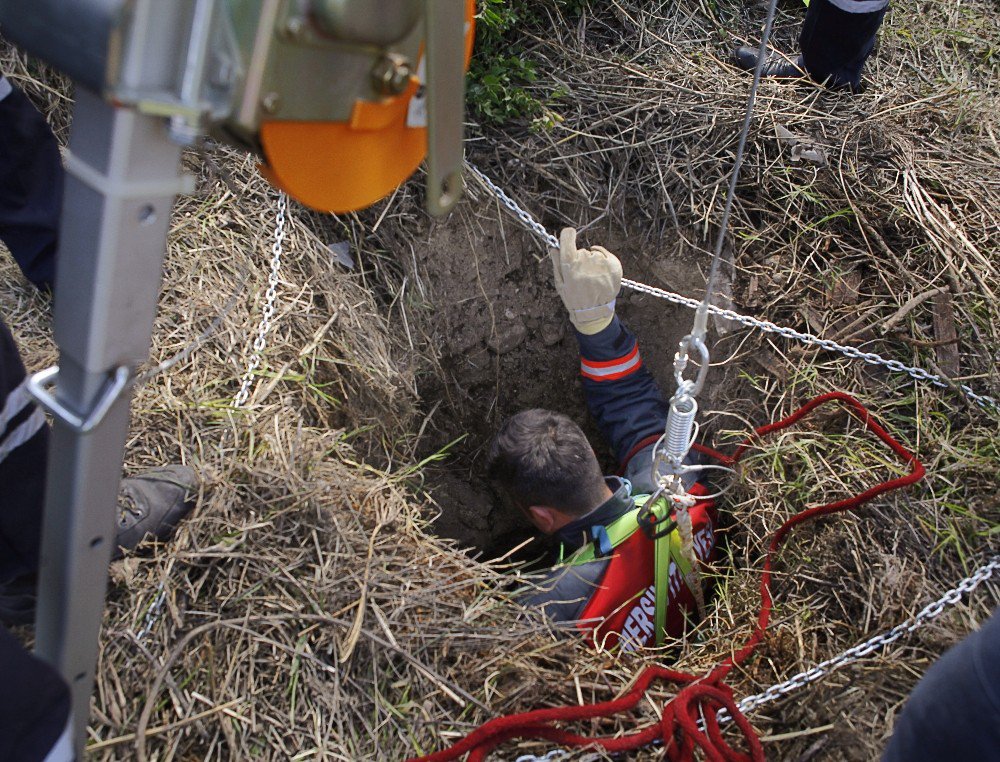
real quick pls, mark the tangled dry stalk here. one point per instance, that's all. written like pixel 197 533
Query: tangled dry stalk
pixel 308 610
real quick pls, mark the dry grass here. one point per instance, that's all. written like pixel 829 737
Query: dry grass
pixel 309 613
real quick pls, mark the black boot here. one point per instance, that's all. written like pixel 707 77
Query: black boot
pixel 776 65
pixel 151 505
pixel 835 42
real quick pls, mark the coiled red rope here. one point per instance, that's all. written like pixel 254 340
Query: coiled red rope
pixel 700 698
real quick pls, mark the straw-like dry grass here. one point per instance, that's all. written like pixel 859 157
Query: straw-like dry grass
pixel 310 613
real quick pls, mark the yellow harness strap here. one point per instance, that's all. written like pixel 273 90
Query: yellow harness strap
pixel 666 549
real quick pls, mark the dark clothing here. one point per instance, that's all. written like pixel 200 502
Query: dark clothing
pixel 564 591
pixel 622 394
pixel 31 186
pixel 576 534
pixel 625 400
pixel 34 704
pixel 837 37
pixel 954 712
pixel 23 452
pixel 34 707
pixel 631 412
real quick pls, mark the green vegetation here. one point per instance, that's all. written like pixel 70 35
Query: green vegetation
pixel 502 71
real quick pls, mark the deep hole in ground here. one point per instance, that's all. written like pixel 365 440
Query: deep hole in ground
pixel 504 344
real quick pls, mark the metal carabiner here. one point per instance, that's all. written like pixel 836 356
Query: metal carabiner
pixel 654 525
pixel 690 388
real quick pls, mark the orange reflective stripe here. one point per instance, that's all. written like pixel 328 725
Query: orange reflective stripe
pixel 610 370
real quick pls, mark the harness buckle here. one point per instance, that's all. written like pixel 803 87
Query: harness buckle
pixel 653 525
pixel 602 543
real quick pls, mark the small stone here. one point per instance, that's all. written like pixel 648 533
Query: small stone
pixel 553 332
pixel 341 251
pixel 507 337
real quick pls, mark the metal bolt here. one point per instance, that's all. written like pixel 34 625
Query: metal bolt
pixel 221 70
pixel 271 103
pixel 183 130
pixel 391 74
pixel 294 27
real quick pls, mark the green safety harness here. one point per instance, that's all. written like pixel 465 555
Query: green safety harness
pixel 652 516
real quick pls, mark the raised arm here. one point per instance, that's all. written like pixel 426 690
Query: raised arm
pixel 621 393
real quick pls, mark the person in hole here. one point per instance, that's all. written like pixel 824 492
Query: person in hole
pixel 543 464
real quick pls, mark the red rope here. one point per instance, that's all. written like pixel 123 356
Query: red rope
pixel 701 697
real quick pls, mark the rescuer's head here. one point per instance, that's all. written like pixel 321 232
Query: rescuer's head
pixel 543 463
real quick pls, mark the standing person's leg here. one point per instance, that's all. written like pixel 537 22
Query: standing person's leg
pixel 836 39
pixel 34 703
pixel 24 437
pixel 31 186
pixel 150 504
pixel 34 707
pixel 954 712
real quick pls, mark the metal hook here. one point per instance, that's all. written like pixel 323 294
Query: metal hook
pixel 685 386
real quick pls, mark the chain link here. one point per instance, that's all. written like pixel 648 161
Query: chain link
pixel 854 654
pixel 984 401
pixel 270 296
pixel 547 757
pixel 155 610
pixel 259 345
pixel 869 647
pixel 872 645
pixel 526 219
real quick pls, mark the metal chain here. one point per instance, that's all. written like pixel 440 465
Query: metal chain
pixel 982 400
pixel 155 611
pixel 857 653
pixel 260 343
pixel 872 645
pixel 526 219
pixel 869 647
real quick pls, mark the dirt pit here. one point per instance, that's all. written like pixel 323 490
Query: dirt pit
pixel 502 343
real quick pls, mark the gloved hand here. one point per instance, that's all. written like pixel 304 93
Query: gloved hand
pixel 588 280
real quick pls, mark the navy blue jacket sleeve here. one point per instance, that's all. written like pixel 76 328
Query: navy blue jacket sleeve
pixel 621 393
pixel 31 186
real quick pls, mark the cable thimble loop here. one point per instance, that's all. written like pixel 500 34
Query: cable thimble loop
pixel 684 386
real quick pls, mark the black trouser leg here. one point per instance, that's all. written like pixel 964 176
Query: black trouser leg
pixel 837 37
pixel 31 186
pixel 24 436
pixel 954 712
pixel 34 700
pixel 34 707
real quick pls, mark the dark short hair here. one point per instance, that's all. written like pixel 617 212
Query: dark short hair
pixel 542 458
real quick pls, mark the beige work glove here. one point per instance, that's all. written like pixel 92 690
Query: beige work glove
pixel 588 280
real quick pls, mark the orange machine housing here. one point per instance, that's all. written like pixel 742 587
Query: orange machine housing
pixel 343 166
